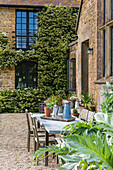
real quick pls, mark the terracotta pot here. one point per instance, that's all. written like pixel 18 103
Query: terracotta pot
pixel 82 107
pixel 75 114
pixel 47 112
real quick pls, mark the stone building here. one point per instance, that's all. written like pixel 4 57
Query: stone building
pixel 93 50
pixel 19 19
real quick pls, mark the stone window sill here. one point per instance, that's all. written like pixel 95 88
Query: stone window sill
pixel 110 23
pixel 104 80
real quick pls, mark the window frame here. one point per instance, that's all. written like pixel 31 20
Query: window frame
pixel 27 36
pixel 26 64
pixel 68 82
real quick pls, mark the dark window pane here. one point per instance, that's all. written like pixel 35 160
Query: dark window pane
pixel 30 26
pixel 18 14
pixel 35 20
pixel 18 26
pixel 71 78
pixel 18 20
pixel 18 32
pixel 30 14
pixel 30 32
pixel 23 39
pixel 18 40
pixel 24 32
pixel 26 75
pixel 24 26
pixel 35 27
pixel 35 15
pixel 31 21
pixel 23 45
pixel 24 14
pixel 18 45
pixel 24 20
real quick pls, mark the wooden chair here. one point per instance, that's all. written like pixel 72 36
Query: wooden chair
pixel 30 132
pixel 40 140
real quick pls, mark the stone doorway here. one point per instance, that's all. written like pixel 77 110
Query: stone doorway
pixel 84 67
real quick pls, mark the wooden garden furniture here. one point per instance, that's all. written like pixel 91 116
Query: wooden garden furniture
pixel 39 139
pixel 51 127
pixel 30 131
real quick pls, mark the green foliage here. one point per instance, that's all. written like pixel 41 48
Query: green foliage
pixel 56 29
pixel 75 110
pixel 9 57
pixel 88 144
pixel 107 105
pixel 16 101
pixel 51 101
pixel 86 100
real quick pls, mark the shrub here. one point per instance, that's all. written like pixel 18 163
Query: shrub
pixel 16 101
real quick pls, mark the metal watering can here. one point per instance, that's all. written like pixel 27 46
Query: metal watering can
pixel 67 110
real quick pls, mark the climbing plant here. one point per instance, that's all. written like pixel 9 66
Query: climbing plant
pixel 10 57
pixel 56 29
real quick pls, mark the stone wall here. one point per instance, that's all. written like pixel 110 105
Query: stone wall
pixel 7 20
pixel 7 24
pixel 88 32
pixel 7 79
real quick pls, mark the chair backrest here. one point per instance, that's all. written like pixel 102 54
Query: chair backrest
pixel 84 114
pixel 36 137
pixel 28 121
pixel 90 116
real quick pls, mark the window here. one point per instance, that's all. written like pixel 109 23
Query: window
pixel 111 9
pixel 26 27
pixel 71 75
pixel 104 12
pixel 26 75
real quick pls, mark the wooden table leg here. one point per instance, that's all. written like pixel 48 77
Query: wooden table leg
pixel 38 124
pixel 46 153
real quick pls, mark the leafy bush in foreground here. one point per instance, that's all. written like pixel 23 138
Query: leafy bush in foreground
pixel 92 148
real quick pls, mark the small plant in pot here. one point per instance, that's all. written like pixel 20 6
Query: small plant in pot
pixel 74 112
pixel 50 102
pixel 86 101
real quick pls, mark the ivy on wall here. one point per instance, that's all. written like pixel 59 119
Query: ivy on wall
pixel 9 57
pixel 56 29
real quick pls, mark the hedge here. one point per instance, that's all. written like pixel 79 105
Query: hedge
pixel 16 101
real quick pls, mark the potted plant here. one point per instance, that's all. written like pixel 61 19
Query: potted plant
pixel 70 98
pixel 74 112
pixel 86 101
pixel 50 102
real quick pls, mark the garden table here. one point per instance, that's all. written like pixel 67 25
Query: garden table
pixel 52 127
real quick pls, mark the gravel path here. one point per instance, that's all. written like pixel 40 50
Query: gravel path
pixel 13 150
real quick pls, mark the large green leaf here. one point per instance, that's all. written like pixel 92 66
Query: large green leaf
pixel 95 150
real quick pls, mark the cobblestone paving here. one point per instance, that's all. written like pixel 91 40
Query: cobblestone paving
pixel 13 150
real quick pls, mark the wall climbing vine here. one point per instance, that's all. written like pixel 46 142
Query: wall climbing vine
pixel 9 57
pixel 56 29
